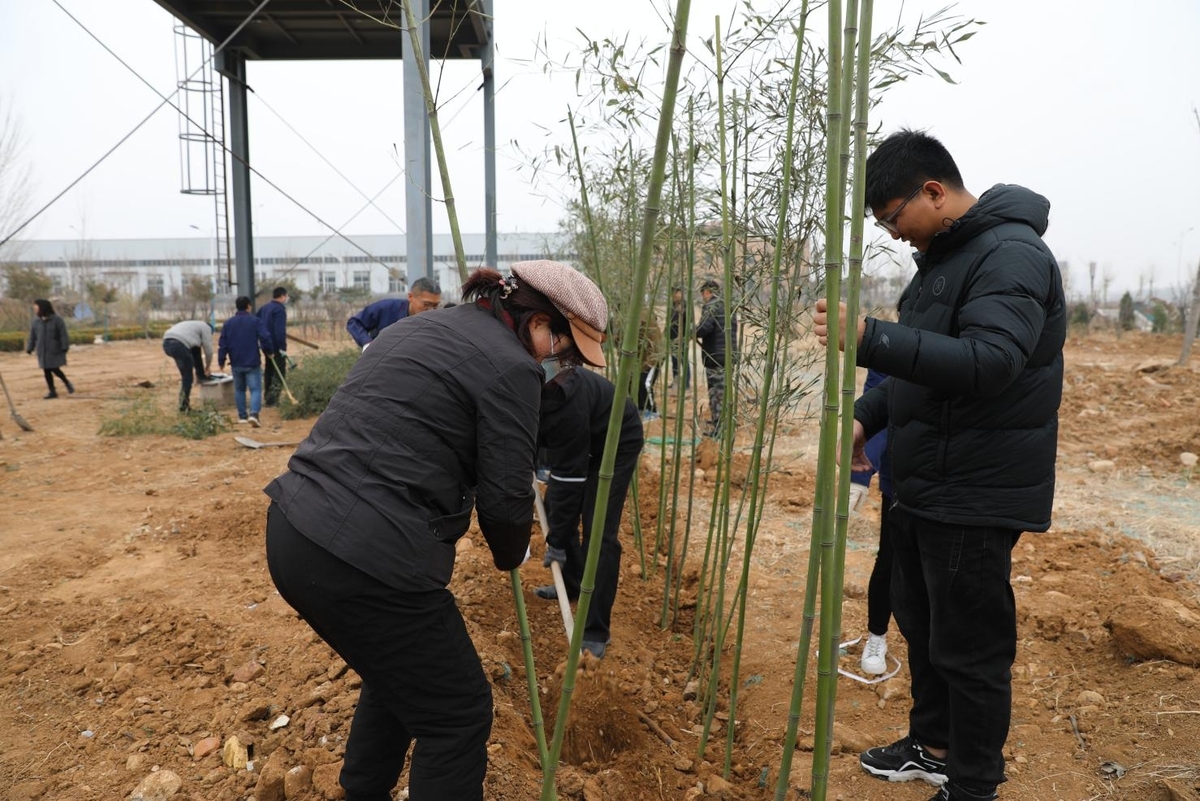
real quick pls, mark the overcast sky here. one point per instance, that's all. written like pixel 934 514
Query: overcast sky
pixel 1089 103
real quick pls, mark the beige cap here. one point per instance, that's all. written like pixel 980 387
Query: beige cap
pixel 573 294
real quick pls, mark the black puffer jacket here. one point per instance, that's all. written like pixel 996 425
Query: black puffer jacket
pixel 438 415
pixel 976 370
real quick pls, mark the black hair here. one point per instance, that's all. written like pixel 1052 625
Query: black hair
pixel 904 161
pixel 711 284
pixel 278 292
pixel 486 287
pixel 44 307
pixel 242 303
pixel 427 285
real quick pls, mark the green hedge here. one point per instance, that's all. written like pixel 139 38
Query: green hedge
pixel 11 341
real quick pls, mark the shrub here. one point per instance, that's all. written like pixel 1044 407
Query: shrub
pixel 1125 312
pixel 314 381
pixel 1159 320
pixel 1081 314
pixel 144 417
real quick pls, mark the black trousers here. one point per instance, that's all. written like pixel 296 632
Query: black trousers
pixel 608 569
pixel 273 378
pixel 421 676
pixel 49 375
pixel 954 604
pixel 879 588
pixel 187 360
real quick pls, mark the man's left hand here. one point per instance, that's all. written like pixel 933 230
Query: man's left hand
pixel 821 323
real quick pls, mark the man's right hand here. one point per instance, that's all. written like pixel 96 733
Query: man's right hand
pixel 554 555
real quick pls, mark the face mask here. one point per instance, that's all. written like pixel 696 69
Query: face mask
pixel 551 366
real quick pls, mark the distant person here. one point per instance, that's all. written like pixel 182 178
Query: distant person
pixel 680 333
pixel 576 404
pixel 711 335
pixel 436 423
pixel 190 344
pixel 879 603
pixel 242 336
pixel 975 371
pixel 48 336
pixel 274 317
pixel 650 345
pixel 425 295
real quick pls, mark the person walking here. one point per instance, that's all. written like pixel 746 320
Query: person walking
pixel 711 335
pixel 438 417
pixel 190 344
pixel 48 336
pixel 576 405
pixel 971 403
pixel 274 317
pixel 425 295
pixel 242 336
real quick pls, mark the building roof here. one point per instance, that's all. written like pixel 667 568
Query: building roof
pixel 335 29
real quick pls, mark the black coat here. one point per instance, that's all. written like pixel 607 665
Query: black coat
pixel 439 415
pixel 976 370
pixel 48 336
pixel 575 416
pixel 711 333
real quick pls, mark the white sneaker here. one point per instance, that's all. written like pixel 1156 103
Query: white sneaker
pixel 242 421
pixel 874 655
pixel 253 421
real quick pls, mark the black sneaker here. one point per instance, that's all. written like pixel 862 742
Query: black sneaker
pixel 903 761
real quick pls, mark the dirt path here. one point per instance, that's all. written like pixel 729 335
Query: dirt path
pixel 138 626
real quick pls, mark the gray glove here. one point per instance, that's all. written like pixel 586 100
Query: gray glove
pixel 554 555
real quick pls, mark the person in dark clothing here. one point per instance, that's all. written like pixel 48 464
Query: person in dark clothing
pixel 879 604
pixel 48 336
pixel 242 336
pixel 274 317
pixel 971 403
pixel 438 417
pixel 680 330
pixel 650 346
pixel 711 335
pixel 576 404
pixel 425 295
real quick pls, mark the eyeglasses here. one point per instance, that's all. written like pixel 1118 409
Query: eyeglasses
pixel 888 223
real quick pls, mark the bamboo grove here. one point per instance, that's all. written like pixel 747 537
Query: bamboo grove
pixel 738 165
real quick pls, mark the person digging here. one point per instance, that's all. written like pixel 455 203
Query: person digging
pixel 576 404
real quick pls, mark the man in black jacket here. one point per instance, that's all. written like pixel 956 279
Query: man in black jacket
pixel 576 405
pixel 971 410
pixel 711 335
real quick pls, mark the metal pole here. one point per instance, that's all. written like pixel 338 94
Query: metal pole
pixel 487 57
pixel 232 64
pixel 418 198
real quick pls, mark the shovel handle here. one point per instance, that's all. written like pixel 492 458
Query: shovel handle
pixel 564 603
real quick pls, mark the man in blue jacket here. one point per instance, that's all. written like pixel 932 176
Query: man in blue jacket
pixel 366 325
pixel 975 372
pixel 242 336
pixel 274 317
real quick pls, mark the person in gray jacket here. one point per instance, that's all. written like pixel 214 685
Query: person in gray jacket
pixel 190 344
pixel 48 336
pixel 438 417
pixel 971 410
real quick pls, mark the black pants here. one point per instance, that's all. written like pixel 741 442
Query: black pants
pixel 879 588
pixel 608 569
pixel 187 360
pixel 421 676
pixel 272 380
pixel 955 606
pixel 55 371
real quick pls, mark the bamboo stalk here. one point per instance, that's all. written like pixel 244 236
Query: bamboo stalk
pixel 539 727
pixel 764 392
pixel 608 460
pixel 435 130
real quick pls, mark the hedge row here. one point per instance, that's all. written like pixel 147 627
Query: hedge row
pixel 11 341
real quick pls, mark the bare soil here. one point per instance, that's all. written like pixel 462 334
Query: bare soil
pixel 140 631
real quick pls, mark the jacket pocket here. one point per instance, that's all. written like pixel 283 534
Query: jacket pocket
pixel 448 528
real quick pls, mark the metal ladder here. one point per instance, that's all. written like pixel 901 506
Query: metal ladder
pixel 201 99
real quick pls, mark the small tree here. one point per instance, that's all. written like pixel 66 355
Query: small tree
pixel 1081 315
pixel 1159 319
pixel 26 283
pixel 1125 313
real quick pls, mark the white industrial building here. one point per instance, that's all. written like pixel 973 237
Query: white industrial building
pixel 374 262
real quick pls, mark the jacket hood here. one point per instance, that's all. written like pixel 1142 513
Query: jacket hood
pixel 1003 203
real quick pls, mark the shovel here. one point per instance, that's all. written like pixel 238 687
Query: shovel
pixel 282 380
pixel 253 443
pixel 564 604
pixel 18 419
